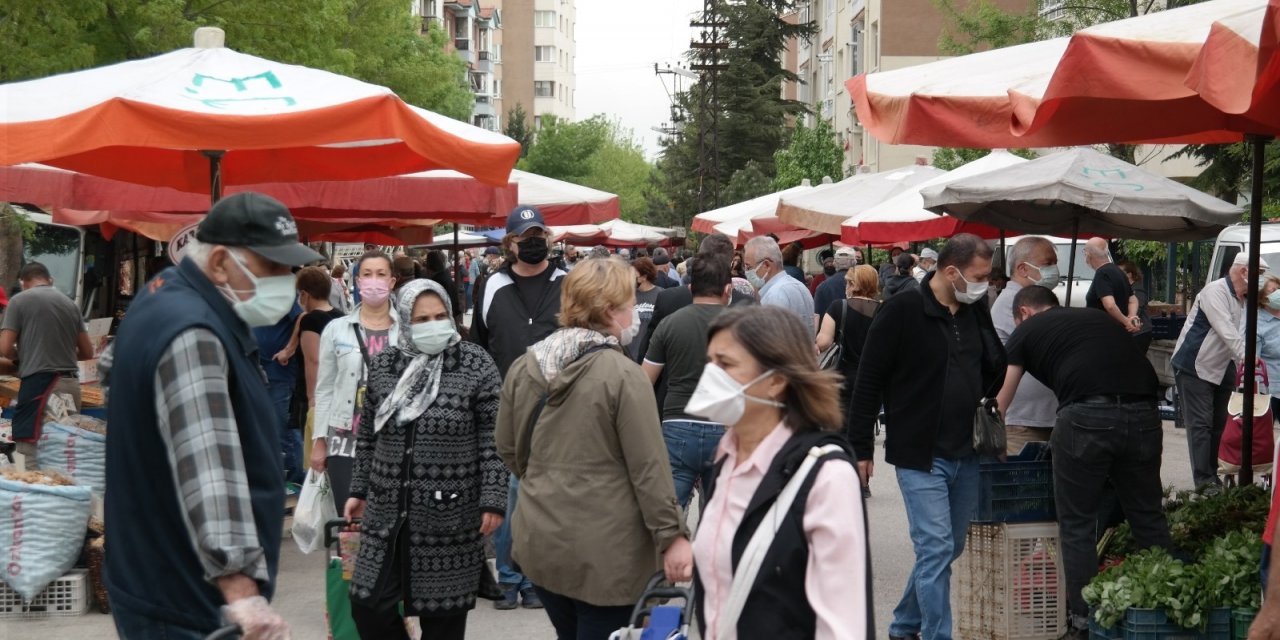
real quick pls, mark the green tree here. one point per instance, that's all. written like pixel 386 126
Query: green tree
pixel 948 158
pixel 743 119
pixel 596 153
pixel 747 183
pixel 374 40
pixel 813 154
pixel 517 128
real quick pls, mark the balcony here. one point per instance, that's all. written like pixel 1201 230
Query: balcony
pixel 427 21
pixel 483 107
pixel 484 62
pixel 463 47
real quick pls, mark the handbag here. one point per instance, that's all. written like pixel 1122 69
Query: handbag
pixel 834 355
pixel 489 589
pixel 1232 445
pixel 990 438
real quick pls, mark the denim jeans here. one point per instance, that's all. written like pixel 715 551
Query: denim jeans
pixel 940 503
pixel 281 393
pixel 508 577
pixel 692 448
pixel 1096 444
pixel 578 620
pixel 135 626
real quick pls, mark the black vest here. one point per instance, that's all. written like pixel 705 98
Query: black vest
pixel 777 607
pixel 151 564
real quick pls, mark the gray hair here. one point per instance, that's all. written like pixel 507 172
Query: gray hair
pixel 1023 249
pixel 198 252
pixel 765 248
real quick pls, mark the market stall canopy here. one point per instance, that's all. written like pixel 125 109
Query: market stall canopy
pixel 1082 191
pixel 1202 73
pixel 445 195
pixel 563 203
pixel 735 217
pixel 825 208
pixel 162 227
pixel 904 218
pixel 463 239
pixel 617 233
pixel 150 122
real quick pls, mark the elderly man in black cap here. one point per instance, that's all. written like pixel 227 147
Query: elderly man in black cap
pixel 518 308
pixel 196 506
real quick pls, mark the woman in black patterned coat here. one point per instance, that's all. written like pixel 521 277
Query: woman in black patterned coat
pixel 427 480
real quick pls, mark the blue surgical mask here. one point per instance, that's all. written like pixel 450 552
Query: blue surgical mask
pixel 753 276
pixel 433 337
pixel 273 296
pixel 1273 300
pixel 1049 275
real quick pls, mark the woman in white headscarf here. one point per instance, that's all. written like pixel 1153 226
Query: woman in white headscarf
pixel 428 482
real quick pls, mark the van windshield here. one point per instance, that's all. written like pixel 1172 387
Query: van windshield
pixel 57 248
pixel 1083 270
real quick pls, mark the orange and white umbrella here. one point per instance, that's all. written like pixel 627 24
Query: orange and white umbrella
pixel 167 120
pixel 1198 74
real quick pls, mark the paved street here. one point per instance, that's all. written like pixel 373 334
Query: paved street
pixel 301 593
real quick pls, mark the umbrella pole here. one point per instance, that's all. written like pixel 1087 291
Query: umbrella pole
pixel 1251 307
pixel 1071 260
pixel 215 174
pixel 1004 257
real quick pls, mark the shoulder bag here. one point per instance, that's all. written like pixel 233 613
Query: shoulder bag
pixel 834 355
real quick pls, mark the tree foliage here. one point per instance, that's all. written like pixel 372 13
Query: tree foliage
pixel 374 40
pixel 948 158
pixel 744 120
pixel 747 183
pixel 597 153
pixel 518 129
pixel 813 154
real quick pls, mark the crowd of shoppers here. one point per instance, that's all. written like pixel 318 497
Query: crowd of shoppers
pixel 591 399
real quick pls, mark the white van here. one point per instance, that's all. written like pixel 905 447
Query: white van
pixel 59 247
pixel 1083 272
pixel 1235 239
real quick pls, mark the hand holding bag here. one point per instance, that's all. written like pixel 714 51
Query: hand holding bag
pixel 315 508
pixel 989 434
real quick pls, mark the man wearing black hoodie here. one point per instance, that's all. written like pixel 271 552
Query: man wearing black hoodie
pixel 519 308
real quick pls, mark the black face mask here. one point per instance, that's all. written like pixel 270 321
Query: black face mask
pixel 830 271
pixel 532 250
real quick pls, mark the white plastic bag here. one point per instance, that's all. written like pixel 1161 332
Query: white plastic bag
pixel 315 508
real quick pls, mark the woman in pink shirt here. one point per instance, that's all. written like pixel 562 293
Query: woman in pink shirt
pixel 811 578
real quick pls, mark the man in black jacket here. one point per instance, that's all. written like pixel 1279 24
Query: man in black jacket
pixel 519 308
pixel 930 357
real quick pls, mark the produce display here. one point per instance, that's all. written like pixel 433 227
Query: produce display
pixel 1217 548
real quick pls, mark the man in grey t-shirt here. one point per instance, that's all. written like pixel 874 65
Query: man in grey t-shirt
pixel 44 333
pixel 1034 408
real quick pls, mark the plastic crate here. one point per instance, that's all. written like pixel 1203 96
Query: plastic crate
pixel 1009 583
pixel 1240 621
pixel 66 596
pixel 1020 490
pixel 1099 632
pixel 1153 624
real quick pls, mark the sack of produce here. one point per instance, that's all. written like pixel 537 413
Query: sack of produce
pixel 43 518
pixel 75 451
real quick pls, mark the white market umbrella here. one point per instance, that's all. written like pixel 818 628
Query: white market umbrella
pixel 825 208
pixel 735 218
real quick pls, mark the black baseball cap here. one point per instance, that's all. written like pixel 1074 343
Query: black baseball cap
pixel 258 223
pixel 523 218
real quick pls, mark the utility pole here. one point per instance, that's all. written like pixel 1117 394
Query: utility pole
pixel 708 48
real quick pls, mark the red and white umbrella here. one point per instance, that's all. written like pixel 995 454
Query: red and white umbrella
pixel 1197 74
pixel 617 233
pixel 163 121
pixel 904 218
pixel 825 208
pixel 564 203
pixel 162 227
pixel 737 219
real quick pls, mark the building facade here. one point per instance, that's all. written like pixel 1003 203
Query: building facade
pixel 860 36
pixel 539 53
pixel 474 32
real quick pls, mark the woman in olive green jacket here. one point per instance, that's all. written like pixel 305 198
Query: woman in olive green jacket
pixel 596 514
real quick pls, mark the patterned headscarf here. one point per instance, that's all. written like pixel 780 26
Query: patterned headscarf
pixel 420 382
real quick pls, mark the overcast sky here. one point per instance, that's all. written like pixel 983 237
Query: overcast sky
pixel 618 44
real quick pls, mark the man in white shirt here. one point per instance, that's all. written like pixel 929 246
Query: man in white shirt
pixel 763 265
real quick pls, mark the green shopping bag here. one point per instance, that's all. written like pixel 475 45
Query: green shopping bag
pixel 338 599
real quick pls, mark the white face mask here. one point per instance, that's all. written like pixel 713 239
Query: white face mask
pixel 273 296
pixel 1049 275
pixel 974 291
pixel 432 337
pixel 721 399
pixel 629 333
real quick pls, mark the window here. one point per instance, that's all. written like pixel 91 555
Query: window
pixel 544 19
pixel 537 123
pixel 460 30
pixel 544 54
pixel 855 48
pixel 544 89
